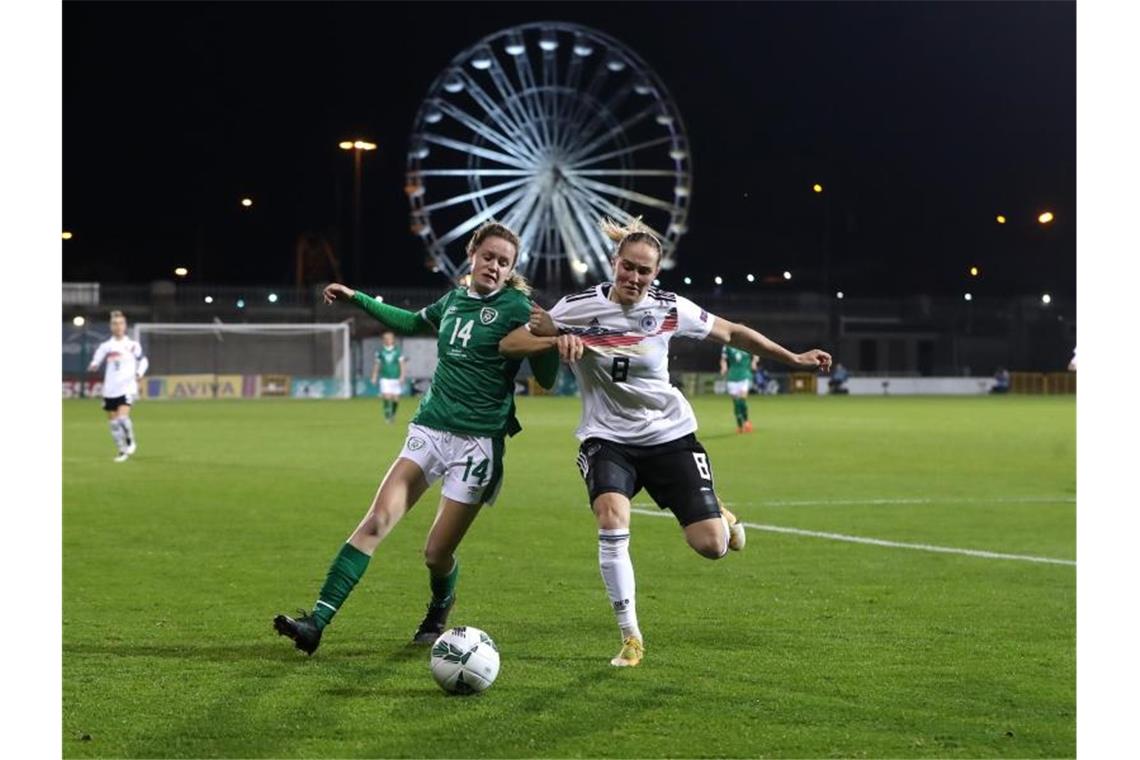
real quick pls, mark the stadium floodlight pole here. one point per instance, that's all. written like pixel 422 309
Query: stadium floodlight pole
pixel 825 245
pixel 357 147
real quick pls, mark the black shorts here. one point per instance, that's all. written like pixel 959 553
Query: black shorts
pixel 113 404
pixel 677 475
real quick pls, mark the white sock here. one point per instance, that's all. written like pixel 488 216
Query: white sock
pixel 118 435
pixel 128 429
pixel 617 573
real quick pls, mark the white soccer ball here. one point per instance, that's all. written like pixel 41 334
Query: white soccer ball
pixel 464 660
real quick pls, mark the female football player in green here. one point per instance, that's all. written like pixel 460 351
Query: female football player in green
pixel 457 433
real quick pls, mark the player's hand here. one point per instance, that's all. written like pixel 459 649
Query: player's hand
pixel 570 348
pixel 814 359
pixel 541 324
pixel 335 290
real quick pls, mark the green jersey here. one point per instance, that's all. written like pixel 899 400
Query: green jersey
pixel 472 390
pixel 389 359
pixel 739 364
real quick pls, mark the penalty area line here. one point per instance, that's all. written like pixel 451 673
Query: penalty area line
pixel 980 553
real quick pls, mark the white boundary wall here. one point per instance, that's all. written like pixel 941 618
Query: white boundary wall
pixel 912 386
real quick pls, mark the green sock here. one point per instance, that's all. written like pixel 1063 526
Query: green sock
pixel 346 569
pixel 443 589
pixel 744 409
pixel 736 412
pixel 395 406
pixel 387 408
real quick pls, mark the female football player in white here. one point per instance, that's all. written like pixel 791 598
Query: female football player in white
pixel 637 430
pixel 126 365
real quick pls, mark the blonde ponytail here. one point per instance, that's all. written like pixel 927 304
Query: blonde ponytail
pixel 632 232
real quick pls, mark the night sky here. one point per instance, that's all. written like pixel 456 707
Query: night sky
pixel 922 121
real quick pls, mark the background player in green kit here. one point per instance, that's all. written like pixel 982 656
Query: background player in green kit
pixel 389 370
pixel 457 433
pixel 738 366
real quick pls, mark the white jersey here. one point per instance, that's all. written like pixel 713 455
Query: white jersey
pixel 125 362
pixel 624 371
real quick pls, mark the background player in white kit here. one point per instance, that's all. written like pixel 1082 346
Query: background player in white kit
pixel 637 430
pixel 126 365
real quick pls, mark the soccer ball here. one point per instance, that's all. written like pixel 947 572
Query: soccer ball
pixel 464 660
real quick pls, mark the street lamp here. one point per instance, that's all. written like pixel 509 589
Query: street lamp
pixel 247 202
pixel 817 187
pixel 1000 219
pixel 974 271
pixel 1045 217
pixel 358 147
pixel 787 275
pixel 181 271
pixel 1046 299
pixel 66 235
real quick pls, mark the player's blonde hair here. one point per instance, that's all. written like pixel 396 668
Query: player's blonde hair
pixel 632 232
pixel 500 230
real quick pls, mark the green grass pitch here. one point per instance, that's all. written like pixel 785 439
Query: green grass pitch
pixel 175 562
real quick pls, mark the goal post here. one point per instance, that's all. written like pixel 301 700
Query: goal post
pixel 218 360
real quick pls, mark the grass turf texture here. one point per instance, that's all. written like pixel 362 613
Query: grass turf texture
pixel 176 561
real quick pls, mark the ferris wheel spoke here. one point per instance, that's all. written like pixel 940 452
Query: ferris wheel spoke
pixel 487 133
pixel 529 97
pixel 625 173
pixel 481 193
pixel 618 213
pixel 629 195
pixel 466 147
pixel 520 211
pixel 579 149
pixel 459 231
pixel 512 100
pixel 599 244
pixel 619 152
pixel 608 109
pixel 480 96
pixel 588 96
pixel 530 227
pixel 550 92
pixel 566 105
pixel 474 172
pixel 567 231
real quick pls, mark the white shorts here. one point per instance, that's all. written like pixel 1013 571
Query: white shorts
pixel 390 386
pixel 738 387
pixel 471 466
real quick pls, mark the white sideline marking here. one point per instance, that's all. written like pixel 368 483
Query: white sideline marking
pixel 890 544
pixel 912 500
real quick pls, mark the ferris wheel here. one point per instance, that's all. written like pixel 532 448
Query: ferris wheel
pixel 547 127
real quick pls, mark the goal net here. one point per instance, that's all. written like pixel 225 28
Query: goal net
pixel 216 360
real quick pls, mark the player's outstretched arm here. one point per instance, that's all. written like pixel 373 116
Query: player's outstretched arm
pixel 521 343
pixel 744 337
pixel 401 320
pixel 542 354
